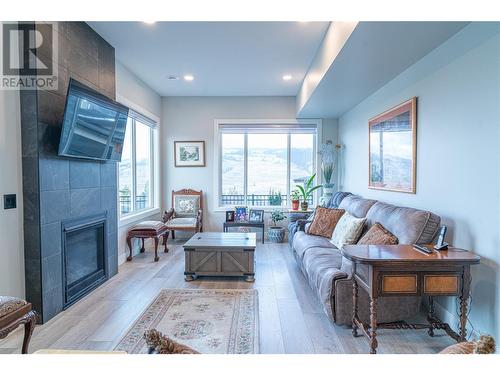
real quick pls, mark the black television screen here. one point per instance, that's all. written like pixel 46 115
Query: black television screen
pixel 93 125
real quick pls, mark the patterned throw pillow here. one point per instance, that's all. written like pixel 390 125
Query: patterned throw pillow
pixel 348 230
pixel 186 205
pixel 378 235
pixel 324 222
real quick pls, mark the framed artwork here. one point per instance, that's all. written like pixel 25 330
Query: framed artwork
pixel 229 216
pixel 240 213
pixel 256 216
pixel 393 149
pixel 189 153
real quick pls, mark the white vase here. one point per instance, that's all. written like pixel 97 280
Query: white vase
pixel 328 189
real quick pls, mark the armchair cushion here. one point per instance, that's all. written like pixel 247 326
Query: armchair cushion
pixel 181 222
pixel 186 205
pixel 149 225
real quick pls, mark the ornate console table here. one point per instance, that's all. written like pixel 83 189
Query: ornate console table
pixel 400 270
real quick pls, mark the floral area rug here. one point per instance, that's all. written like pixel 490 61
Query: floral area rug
pixel 214 321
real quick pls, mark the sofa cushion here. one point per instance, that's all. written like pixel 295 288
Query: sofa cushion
pixel 356 205
pixel 325 220
pixel 303 241
pixel 378 235
pixel 409 225
pixel 348 230
pixel 321 266
pixel 336 198
pixel 182 222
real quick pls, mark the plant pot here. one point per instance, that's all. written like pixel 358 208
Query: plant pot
pixel 328 189
pixel 295 204
pixel 304 206
pixel 276 234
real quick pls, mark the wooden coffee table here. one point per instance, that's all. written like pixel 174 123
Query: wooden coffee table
pixel 399 270
pixel 220 254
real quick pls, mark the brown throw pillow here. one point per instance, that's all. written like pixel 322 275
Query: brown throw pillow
pixel 378 235
pixel 324 222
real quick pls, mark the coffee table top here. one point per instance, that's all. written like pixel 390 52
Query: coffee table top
pixel 222 240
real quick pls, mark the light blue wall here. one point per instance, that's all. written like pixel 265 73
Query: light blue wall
pixel 458 154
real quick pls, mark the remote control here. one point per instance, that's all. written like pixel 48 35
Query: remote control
pixel 422 248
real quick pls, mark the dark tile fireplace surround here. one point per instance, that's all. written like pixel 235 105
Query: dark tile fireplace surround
pixel 70 205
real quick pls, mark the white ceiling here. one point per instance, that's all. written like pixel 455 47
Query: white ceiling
pixel 374 54
pixel 226 58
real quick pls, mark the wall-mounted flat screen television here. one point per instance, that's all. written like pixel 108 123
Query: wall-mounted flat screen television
pixel 93 125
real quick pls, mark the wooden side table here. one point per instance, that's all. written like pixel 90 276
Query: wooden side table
pixel 399 270
pixel 148 229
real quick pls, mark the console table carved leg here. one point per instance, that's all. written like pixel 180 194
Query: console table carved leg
pixel 29 326
pixel 354 307
pixel 430 316
pixel 156 249
pixel 129 243
pixel 373 326
pixel 143 249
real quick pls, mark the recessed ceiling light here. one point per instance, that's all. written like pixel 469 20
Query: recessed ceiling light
pixel 188 77
pixel 149 22
pixel 287 77
pixel 173 78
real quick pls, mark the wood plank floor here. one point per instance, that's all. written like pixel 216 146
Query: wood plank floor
pixel 291 318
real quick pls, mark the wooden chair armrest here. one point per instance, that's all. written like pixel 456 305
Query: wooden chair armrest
pixel 168 215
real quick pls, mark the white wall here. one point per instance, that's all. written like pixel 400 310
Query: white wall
pixel 192 118
pixel 136 94
pixel 458 153
pixel 11 221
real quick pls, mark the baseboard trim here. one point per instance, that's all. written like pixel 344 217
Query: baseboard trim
pixel 450 318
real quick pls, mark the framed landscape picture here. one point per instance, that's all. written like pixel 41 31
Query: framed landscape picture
pixel 392 149
pixel 189 153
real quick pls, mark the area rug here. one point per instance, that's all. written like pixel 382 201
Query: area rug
pixel 213 321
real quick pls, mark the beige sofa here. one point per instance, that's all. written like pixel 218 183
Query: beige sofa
pixel 329 274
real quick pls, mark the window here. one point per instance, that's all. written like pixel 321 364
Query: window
pixel 261 163
pixel 136 169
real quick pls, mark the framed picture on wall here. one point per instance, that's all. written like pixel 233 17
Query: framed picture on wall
pixel 189 153
pixel 392 149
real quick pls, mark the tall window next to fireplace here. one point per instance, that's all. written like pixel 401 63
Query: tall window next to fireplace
pixel 84 256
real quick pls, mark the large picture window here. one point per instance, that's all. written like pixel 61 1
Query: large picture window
pixel 136 169
pixel 261 163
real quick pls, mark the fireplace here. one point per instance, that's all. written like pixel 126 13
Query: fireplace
pixel 84 256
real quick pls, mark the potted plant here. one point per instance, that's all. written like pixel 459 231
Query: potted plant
pixel 274 198
pixel 295 198
pixel 328 158
pixel 276 233
pixel 306 191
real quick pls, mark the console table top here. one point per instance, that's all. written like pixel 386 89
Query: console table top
pixel 406 253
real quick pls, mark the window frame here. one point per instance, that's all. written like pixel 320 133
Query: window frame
pixel 136 215
pixel 217 207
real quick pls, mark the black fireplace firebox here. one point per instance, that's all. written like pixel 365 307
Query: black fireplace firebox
pixel 84 246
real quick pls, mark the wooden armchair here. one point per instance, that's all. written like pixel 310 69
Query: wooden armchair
pixel 186 213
